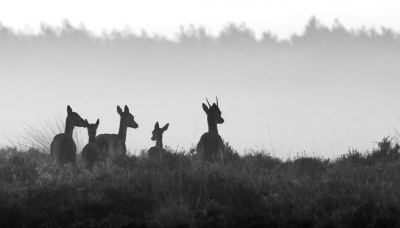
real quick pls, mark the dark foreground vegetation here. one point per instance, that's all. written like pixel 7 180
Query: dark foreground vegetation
pixel 254 190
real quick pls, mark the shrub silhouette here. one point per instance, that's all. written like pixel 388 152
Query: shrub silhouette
pixel 310 166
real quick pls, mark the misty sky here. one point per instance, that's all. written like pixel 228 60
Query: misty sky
pixel 315 86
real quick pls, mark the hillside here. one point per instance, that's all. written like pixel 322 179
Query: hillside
pixel 253 190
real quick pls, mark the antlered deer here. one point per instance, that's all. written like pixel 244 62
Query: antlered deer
pixel 210 147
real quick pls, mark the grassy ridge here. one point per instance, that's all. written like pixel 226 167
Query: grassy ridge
pixel 254 190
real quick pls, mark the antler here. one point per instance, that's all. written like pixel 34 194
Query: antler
pixel 208 103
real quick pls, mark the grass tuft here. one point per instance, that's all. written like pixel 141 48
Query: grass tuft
pixel 40 135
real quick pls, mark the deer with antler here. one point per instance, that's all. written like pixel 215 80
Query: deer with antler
pixel 210 147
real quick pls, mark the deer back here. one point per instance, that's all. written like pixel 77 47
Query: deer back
pixel 210 147
pixel 63 149
pixel 110 146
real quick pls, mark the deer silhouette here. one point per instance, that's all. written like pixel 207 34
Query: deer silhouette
pixel 158 149
pixel 113 145
pixel 210 147
pixel 63 147
pixel 90 151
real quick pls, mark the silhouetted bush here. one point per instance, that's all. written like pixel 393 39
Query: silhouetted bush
pixel 17 168
pixel 386 150
pixel 310 166
pixel 261 160
pixel 230 154
pixel 354 157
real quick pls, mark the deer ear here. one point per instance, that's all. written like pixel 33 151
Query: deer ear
pixel 98 122
pixel 119 110
pixel 156 126
pixel 165 127
pixel 69 109
pixel 126 109
pixel 205 108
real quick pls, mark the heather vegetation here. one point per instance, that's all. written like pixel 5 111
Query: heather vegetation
pixel 252 190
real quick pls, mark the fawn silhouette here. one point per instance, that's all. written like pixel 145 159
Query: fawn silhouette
pixel 158 149
pixel 90 152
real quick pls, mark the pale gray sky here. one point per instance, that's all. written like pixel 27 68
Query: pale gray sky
pixel 286 104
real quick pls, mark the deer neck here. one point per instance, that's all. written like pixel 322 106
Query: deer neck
pixel 159 143
pixel 212 125
pixel 92 138
pixel 69 127
pixel 122 131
